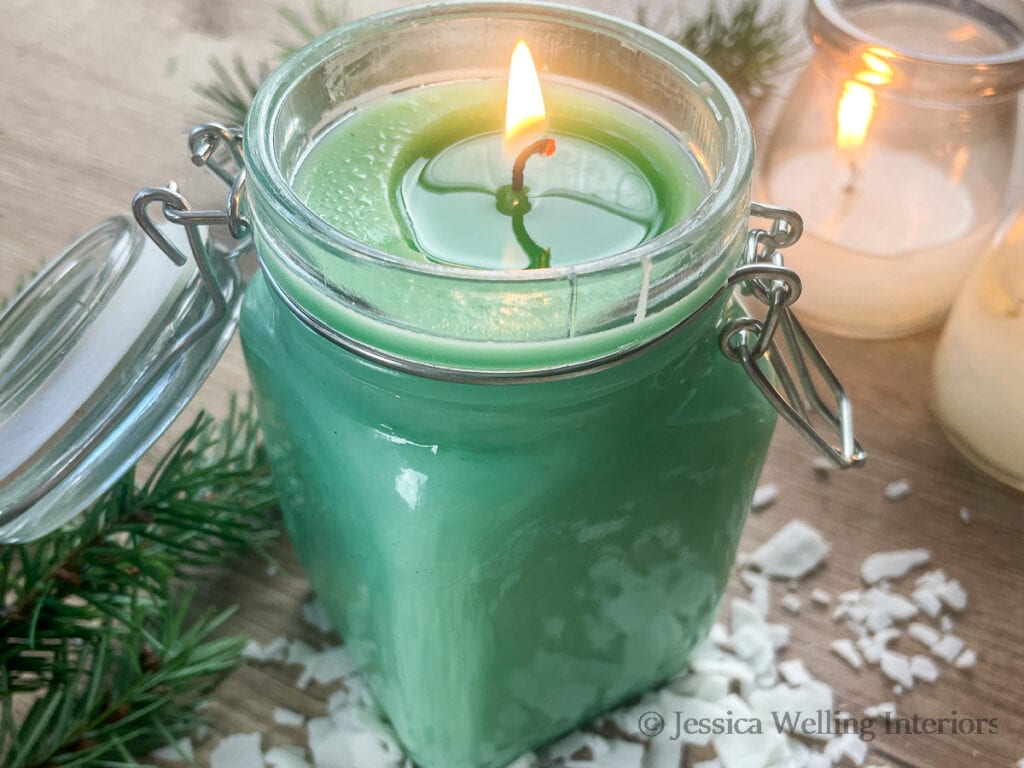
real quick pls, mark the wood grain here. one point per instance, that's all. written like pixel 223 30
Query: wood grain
pixel 96 102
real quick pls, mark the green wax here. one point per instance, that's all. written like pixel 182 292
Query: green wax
pixel 419 175
pixel 509 561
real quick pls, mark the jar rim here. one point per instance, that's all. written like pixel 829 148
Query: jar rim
pixel 729 183
pixel 990 74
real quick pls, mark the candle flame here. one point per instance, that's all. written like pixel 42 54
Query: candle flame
pixel 524 108
pixel 857 104
pixel 856 108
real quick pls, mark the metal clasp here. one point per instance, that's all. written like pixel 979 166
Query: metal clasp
pixel 796 364
pixel 204 141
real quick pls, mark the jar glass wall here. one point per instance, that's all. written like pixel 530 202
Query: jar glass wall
pixel 896 146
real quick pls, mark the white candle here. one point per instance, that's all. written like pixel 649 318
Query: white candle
pixel 889 237
pixel 979 365
pixel 77 382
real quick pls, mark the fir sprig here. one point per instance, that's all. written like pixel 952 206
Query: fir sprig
pixel 227 97
pixel 746 46
pixel 97 632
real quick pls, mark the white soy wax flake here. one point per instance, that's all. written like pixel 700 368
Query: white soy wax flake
pixel 327 666
pixel 718 635
pixel 793 552
pixel 286 757
pixel 621 754
pixel 252 651
pixel 791 603
pixel 897 689
pixel 886 708
pixel 965 515
pixel 179 752
pixel 764 496
pixel 896 667
pixel 529 760
pixel 897 490
pixel 239 751
pixel 923 668
pixel 821 597
pixel 946 624
pixel 747 750
pixel 927 601
pixel 966 660
pixel 794 672
pixel 663 753
pixel 288 717
pixel 812 696
pixel 850 746
pixel 716 763
pixel 847 651
pixel 948 648
pixel 953 595
pixel 351 738
pixel 924 634
pixel 892 565
pixel 314 614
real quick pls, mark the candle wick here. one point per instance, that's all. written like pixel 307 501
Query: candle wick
pixel 544 147
pixel 851 183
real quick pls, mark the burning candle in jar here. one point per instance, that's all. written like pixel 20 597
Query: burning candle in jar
pixel 430 174
pixel 895 146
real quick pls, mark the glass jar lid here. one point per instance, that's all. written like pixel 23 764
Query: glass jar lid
pixel 98 355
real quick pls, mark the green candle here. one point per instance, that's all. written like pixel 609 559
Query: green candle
pixel 507 560
pixel 422 175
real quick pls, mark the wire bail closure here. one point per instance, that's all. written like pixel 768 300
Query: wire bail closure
pixel 790 378
pixel 796 364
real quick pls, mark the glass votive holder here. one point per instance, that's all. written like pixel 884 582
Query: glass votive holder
pixel 896 146
pixel 979 365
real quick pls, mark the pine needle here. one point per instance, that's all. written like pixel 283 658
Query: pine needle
pixel 96 619
pixel 746 46
pixel 227 97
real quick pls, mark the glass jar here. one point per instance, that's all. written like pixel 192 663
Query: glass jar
pixel 896 146
pixel 979 364
pixel 518 493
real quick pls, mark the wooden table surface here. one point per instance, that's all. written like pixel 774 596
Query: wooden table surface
pixel 95 102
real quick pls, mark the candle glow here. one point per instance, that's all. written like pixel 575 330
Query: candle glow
pixel 857 104
pixel 524 105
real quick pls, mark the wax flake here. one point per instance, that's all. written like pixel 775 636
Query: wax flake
pixel 716 763
pixel 896 667
pixel 965 515
pixel 886 708
pixel 946 624
pixel 621 754
pixel 927 601
pixel 350 738
pixel 850 746
pixel 821 597
pixel 747 750
pixel 845 649
pixel 764 496
pixel 812 696
pixel 664 753
pixel 948 648
pixel 703 687
pixel 966 660
pixel 892 565
pixel 792 553
pixel 314 614
pixel 286 757
pixel 179 752
pixel 794 672
pixel 327 666
pixel 897 490
pixel 923 668
pixel 284 716
pixel 239 751
pixel 924 634
pixel 791 603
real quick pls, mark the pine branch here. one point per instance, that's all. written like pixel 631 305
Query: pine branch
pixel 95 620
pixel 228 96
pixel 747 47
